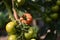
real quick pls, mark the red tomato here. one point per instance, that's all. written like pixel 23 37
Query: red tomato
pixel 26 18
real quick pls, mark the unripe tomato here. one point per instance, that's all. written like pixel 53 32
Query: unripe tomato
pixel 10 27
pixel 48 20
pixel 55 8
pixel 33 39
pixel 54 16
pixel 12 37
pixel 19 2
pixel 30 30
pixel 58 2
pixel 26 18
pixel 29 34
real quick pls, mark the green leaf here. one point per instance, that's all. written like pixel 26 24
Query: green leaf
pixel 35 28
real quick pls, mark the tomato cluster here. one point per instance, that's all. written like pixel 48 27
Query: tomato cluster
pixel 16 30
pixel 13 35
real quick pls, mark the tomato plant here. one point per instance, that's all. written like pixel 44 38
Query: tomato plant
pixel 26 16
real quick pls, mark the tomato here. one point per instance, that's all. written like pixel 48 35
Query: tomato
pixel 29 34
pixel 19 2
pixel 54 16
pixel 22 20
pixel 48 20
pixel 55 8
pixel 10 27
pixel 30 30
pixel 12 37
pixel 58 2
pixel 33 39
pixel 26 18
pixel 34 0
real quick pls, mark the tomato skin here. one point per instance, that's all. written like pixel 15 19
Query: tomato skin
pixel 12 37
pixel 28 16
pixel 29 34
pixel 10 27
pixel 28 19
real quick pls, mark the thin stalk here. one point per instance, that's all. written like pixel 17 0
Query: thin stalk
pixel 14 11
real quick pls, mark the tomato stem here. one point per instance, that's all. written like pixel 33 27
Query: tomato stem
pixel 15 14
pixel 14 11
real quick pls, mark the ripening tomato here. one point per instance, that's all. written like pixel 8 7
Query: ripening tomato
pixel 10 27
pixel 12 37
pixel 26 18
pixel 29 34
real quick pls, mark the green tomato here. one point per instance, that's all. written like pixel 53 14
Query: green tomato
pixel 19 2
pixel 48 20
pixel 33 39
pixel 54 16
pixel 10 27
pixel 29 34
pixel 30 31
pixel 58 2
pixel 55 8
pixel 12 37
